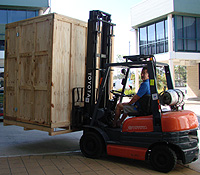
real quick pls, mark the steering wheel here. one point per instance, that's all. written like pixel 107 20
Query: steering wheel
pixel 119 93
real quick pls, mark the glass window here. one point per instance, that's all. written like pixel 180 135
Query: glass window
pixel 16 15
pixel 154 38
pixel 180 27
pixel 143 36
pixel 3 16
pixel 151 39
pixel 190 45
pixel 151 33
pixel 198 45
pixel 31 14
pixel 180 32
pixel 166 36
pixel 188 35
pixel 151 49
pixel 160 47
pixel 143 50
pixel 166 46
pixel 198 28
pixel 189 27
pixel 180 44
pixel 160 36
pixel 198 34
pixel 160 31
pixel 166 29
pixel 2 42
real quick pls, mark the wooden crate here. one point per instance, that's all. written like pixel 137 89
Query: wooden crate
pixel 44 60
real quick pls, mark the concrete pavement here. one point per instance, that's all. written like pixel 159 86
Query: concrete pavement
pixel 75 164
pixel 34 152
pixel 17 142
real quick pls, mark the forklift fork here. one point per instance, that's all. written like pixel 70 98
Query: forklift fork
pixel 77 107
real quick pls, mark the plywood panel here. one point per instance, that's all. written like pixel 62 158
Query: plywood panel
pixel 43 29
pixel 78 58
pixel 25 71
pixel 27 38
pixel 25 105
pixel 11 72
pixel 60 71
pixel 12 41
pixel 41 68
pixel 40 108
pixel 9 104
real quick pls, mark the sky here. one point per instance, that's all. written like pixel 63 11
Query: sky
pixel 120 15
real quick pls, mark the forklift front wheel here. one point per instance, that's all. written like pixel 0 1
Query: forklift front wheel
pixel 91 145
pixel 163 158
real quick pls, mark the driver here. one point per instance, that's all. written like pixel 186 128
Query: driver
pixel 131 106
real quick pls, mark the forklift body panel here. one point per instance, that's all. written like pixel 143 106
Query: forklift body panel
pixel 172 121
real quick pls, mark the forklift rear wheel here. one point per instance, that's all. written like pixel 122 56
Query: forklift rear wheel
pixel 163 158
pixel 91 145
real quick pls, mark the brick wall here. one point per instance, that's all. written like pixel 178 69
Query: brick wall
pixel 193 81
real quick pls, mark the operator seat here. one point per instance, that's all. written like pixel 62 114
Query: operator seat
pixel 144 108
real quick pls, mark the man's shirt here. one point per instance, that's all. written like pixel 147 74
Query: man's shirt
pixel 143 90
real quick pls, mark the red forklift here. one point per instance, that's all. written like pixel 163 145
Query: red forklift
pixel 160 137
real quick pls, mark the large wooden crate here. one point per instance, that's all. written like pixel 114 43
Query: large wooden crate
pixel 44 60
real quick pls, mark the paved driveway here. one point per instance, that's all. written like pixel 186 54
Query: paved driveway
pixel 15 141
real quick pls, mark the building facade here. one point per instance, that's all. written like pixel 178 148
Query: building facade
pixel 12 11
pixel 170 29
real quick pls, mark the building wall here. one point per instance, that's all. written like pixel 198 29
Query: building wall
pixel 187 6
pixel 193 79
pixel 152 10
pixel 149 10
pixel 25 3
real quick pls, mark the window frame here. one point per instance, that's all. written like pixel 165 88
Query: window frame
pixel 153 44
pixel 184 38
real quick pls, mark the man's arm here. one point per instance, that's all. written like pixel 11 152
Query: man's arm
pixel 134 99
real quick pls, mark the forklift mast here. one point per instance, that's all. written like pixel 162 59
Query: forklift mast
pixel 100 31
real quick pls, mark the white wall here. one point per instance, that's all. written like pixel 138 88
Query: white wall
pixel 149 10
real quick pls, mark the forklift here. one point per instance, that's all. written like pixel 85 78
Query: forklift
pixel 160 137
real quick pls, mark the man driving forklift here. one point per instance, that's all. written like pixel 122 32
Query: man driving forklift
pixel 133 105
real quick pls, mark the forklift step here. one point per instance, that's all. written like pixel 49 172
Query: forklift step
pixel 127 151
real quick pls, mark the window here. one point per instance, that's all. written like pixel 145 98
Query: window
pixel 180 32
pixel 31 14
pixel 198 34
pixel 154 38
pixel 166 35
pixel 160 36
pixel 199 76
pixel 143 36
pixel 143 41
pixel 187 34
pixel 16 15
pixel 2 44
pixel 3 16
pixel 8 16
pixel 151 39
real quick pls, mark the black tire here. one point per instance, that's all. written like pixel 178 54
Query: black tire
pixel 92 145
pixel 163 158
